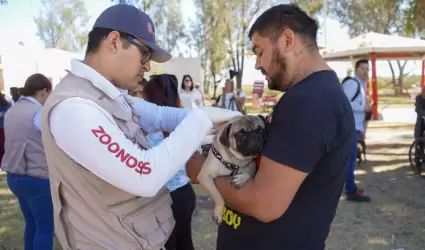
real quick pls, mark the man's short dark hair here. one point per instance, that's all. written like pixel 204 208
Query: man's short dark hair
pixel 275 20
pixel 97 35
pixel 360 62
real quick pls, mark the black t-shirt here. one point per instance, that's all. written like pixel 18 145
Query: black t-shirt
pixel 312 130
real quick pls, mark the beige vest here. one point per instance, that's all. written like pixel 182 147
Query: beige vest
pixel 90 213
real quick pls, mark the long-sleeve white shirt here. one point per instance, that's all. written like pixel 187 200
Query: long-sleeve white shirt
pixel 73 120
pixel 359 103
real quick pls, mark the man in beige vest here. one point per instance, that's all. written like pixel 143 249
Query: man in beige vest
pixel 107 186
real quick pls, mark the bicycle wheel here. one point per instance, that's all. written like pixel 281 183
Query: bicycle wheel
pixel 417 155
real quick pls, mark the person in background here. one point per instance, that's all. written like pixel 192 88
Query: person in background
pixel 189 96
pixel 420 124
pixel 355 90
pixel 4 106
pixel 198 88
pixel 138 91
pixel 230 99
pixel 14 93
pixel 420 111
pixel 25 162
pixel 368 112
pixel 181 191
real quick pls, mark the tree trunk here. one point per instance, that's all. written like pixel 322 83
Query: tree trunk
pixel 395 87
pixel 215 86
pixel 400 82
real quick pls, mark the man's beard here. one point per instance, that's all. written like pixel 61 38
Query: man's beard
pixel 279 63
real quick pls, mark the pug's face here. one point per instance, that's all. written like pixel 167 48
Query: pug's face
pixel 244 136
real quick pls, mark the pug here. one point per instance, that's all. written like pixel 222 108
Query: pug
pixel 233 153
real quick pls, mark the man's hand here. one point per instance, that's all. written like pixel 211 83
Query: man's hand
pixel 193 167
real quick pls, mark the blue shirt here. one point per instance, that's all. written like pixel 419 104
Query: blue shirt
pixel 180 179
pixel 358 105
pixel 3 110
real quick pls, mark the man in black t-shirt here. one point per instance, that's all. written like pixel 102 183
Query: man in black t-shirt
pixel 291 202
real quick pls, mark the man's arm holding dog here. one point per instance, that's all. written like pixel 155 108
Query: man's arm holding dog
pixel 297 139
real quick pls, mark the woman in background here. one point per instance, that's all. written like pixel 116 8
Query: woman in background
pixel 190 97
pixel 25 163
pixel 14 93
pixel 4 106
pixel 138 91
pixel 160 90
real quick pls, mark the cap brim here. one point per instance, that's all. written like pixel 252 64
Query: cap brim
pixel 159 55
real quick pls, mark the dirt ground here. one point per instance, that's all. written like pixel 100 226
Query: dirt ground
pixel 393 220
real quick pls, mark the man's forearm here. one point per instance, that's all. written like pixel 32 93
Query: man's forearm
pixel 243 200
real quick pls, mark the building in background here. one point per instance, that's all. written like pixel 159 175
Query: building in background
pixel 19 62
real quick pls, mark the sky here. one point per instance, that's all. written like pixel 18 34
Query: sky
pixel 17 24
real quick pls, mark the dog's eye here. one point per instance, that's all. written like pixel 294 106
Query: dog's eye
pixel 240 133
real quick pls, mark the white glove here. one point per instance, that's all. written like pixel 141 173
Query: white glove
pixel 208 139
pixel 219 115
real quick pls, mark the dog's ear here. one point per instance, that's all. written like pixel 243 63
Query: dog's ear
pixel 224 137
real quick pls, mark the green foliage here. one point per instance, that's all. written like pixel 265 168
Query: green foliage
pixel 362 16
pixel 415 18
pixel 167 18
pixel 61 23
pixel 312 7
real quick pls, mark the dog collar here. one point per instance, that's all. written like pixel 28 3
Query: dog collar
pixel 232 167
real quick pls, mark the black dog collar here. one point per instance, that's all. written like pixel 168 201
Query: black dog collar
pixel 232 167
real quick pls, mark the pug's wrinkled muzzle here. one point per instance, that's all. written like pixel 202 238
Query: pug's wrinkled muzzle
pixel 252 144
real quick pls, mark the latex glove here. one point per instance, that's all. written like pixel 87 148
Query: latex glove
pixel 220 115
pixel 208 139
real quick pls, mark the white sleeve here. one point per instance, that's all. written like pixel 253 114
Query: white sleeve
pixel 90 136
pixel 350 89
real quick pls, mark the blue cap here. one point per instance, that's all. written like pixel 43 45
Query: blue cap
pixel 128 19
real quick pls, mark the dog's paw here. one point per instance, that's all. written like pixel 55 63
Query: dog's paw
pixel 238 180
pixel 218 214
pixel 217 220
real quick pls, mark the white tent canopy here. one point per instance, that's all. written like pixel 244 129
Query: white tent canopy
pixel 387 47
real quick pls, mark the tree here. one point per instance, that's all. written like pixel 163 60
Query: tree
pixel 384 16
pixel 61 24
pixel 195 39
pixel 238 15
pixel 167 18
pixel 415 18
pixel 172 27
pixel 312 7
pixel 214 27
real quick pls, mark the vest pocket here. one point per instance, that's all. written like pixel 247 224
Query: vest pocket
pixel 57 213
pixel 153 229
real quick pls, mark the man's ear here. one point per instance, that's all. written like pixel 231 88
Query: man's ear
pixel 224 137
